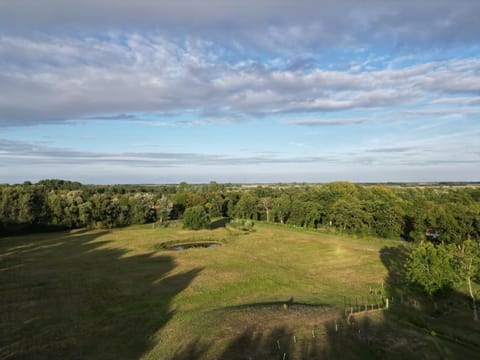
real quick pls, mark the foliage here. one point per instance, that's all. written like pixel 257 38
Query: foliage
pixel 163 208
pixel 246 207
pixel 196 218
pixel 434 268
pixel 469 268
pixel 104 294
pixel 409 212
pixel 245 225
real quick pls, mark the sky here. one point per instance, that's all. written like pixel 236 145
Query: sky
pixel 120 91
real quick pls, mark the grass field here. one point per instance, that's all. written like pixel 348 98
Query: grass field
pixel 273 293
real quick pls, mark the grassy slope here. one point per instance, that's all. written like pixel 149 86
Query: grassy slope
pixel 112 294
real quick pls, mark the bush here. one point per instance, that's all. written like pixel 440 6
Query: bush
pixel 245 225
pixel 196 218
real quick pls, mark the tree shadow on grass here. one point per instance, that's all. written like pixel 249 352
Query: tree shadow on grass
pixel 249 344
pixel 406 330
pixel 71 296
pixel 445 325
pixel 220 223
pixel 332 341
pixel 394 259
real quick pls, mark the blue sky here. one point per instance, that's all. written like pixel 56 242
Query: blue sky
pixel 253 91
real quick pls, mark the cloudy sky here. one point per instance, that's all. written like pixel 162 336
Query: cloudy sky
pixel 143 91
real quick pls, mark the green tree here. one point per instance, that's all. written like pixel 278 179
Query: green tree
pixel 246 207
pixel 266 204
pixel 10 205
pixel 281 208
pixel 164 207
pixel 32 205
pixel 179 205
pixel 432 267
pixel 196 218
pixel 140 208
pixel 469 268
pixel 297 213
pixel 231 200
pixel 349 215
pixel 387 219
pixel 72 218
pixel 105 210
pixel 313 214
pixel 85 213
pixel 57 203
pixel 215 203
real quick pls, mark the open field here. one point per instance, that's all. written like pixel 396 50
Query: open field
pixel 117 294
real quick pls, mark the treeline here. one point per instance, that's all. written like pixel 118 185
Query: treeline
pixel 65 204
pixel 445 214
pixel 448 214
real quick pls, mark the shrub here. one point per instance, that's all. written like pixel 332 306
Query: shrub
pixel 245 225
pixel 196 218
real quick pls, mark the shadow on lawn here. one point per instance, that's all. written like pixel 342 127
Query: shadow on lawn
pixel 404 331
pixel 394 259
pixel 220 223
pixel 67 296
pixel 281 343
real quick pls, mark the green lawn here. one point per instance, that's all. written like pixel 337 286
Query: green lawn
pixel 117 295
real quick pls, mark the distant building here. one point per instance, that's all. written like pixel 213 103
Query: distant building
pixel 432 234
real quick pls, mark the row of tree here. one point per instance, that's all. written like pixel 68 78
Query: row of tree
pixel 447 214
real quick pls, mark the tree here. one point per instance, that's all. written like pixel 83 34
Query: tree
pixel 140 208
pixel 349 215
pixel 164 207
pixel 387 219
pixel 281 208
pixel 196 218
pixel 432 267
pixel 71 211
pixel 9 205
pixel 229 206
pixel 105 210
pixel 215 204
pixel 85 213
pixel 179 205
pixel 267 205
pixel 313 215
pixel 32 205
pixel 297 214
pixel 469 267
pixel 246 207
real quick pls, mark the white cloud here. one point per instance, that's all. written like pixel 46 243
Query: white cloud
pixel 267 24
pixel 326 121
pixel 53 79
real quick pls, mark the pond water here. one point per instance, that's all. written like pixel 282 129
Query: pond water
pixel 193 245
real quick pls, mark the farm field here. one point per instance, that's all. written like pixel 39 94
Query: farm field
pixel 275 292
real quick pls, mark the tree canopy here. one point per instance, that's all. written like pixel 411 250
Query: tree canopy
pixel 196 218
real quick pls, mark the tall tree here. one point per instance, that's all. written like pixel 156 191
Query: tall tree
pixel 196 218
pixel 469 266
pixel 349 215
pixel 163 207
pixel 246 207
pixel 387 219
pixel 32 205
pixel 432 267
pixel 214 205
pixel 281 208
pixel 266 204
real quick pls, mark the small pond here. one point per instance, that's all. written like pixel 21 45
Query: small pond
pixel 193 245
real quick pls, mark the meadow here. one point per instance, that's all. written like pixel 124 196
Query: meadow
pixel 276 292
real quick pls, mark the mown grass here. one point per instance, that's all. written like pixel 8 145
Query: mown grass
pixel 117 294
